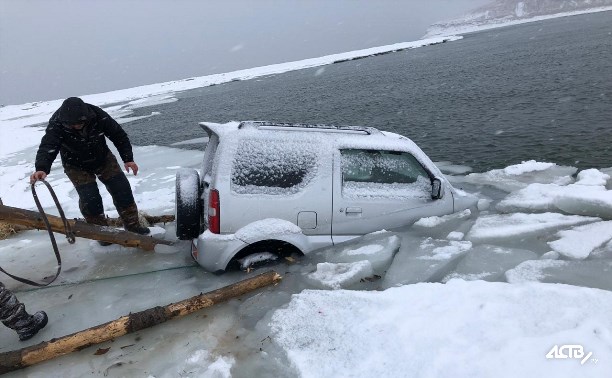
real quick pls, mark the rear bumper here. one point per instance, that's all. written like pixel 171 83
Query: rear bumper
pixel 213 252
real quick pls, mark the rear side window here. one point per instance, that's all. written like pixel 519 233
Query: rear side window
pixel 375 173
pixel 272 167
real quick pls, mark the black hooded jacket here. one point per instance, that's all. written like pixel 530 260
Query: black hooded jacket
pixel 85 148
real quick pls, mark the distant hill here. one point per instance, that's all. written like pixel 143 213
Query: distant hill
pixel 499 12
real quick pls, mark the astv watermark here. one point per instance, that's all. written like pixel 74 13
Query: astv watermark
pixel 571 351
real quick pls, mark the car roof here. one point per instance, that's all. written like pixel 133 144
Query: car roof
pixel 339 136
pixel 232 127
pixel 304 127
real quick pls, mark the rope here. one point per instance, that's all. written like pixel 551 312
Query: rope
pixel 68 231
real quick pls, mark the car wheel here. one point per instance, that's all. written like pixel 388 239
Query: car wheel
pixel 278 248
pixel 188 204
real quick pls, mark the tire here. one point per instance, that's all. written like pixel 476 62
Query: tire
pixel 188 204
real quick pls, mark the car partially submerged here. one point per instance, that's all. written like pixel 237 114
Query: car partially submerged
pixel 273 189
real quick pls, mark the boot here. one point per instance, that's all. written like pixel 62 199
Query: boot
pixel 14 316
pixel 131 223
pixel 99 220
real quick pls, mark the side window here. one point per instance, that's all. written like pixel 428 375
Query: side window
pixel 375 173
pixel 272 167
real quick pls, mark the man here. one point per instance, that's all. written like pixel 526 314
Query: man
pixel 77 131
pixel 14 315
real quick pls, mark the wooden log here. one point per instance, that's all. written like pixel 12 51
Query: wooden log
pixel 114 222
pixel 18 359
pixel 81 229
pixel 152 219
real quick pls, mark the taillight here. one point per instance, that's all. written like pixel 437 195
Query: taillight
pixel 214 212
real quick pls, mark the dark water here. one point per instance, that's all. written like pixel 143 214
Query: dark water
pixel 539 91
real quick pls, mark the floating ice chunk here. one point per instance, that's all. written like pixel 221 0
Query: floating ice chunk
pixel 365 250
pixel 455 235
pixel 438 220
pixel 607 171
pixel 592 201
pixel 341 275
pixel 591 273
pixel 487 262
pixel 483 204
pixel 532 270
pixel 550 255
pixel 527 167
pixel 581 241
pixel 518 176
pixel 467 276
pixel 420 260
pixel 533 198
pixel 592 177
pixel 505 226
pixel 582 198
pixel 378 252
pixel 446 252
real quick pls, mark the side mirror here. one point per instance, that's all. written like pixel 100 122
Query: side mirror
pixel 436 188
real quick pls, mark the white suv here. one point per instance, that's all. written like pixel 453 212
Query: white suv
pixel 283 188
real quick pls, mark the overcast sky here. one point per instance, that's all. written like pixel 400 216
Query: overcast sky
pixel 52 49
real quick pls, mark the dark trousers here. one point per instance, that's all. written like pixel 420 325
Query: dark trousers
pixel 117 184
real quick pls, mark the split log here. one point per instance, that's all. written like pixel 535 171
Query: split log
pixel 81 229
pixel 18 359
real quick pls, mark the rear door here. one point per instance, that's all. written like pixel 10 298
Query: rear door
pixel 378 189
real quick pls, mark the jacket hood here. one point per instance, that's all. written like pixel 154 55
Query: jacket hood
pixel 74 110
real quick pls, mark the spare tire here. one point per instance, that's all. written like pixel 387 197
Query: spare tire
pixel 188 204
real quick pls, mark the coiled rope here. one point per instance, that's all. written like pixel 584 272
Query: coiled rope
pixel 68 231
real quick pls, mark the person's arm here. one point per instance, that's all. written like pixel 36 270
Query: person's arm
pixel 47 152
pixel 120 139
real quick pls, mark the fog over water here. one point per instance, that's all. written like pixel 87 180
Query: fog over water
pixel 58 48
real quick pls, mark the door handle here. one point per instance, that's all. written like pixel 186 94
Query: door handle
pixel 353 210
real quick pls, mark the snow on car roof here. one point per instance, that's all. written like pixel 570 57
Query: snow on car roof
pixel 343 137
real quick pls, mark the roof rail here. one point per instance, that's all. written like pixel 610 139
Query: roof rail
pixel 307 127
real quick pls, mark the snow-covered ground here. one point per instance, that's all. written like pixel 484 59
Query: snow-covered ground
pixel 485 292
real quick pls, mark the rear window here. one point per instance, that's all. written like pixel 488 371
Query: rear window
pixel 272 167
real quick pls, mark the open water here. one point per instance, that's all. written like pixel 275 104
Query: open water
pixel 540 91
